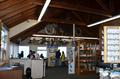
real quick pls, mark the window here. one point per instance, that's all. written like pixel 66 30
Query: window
pixel 4 34
pixel 25 49
pixel 63 49
pixel 42 50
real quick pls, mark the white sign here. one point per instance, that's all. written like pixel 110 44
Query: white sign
pixel 71 60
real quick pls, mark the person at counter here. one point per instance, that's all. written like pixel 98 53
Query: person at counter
pixel 31 55
pixel 21 55
pixel 41 56
pixel 36 55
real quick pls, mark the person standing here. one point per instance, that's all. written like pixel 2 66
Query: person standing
pixel 41 56
pixel 63 58
pixel 36 55
pixel 31 55
pixel 22 54
pixel 57 55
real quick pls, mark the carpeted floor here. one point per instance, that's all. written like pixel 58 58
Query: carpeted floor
pixel 61 73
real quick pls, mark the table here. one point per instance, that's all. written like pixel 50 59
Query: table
pixel 11 73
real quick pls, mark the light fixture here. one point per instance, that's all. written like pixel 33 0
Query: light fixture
pixel 43 10
pixel 66 37
pixel 103 21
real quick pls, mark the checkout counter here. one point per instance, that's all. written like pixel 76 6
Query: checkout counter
pixel 12 72
pixel 37 66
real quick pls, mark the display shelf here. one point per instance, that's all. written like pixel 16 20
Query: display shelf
pixel 86 58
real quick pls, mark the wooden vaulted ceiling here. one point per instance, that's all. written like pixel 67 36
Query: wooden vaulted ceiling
pixel 63 12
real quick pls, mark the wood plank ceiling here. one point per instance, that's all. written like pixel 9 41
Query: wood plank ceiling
pixel 63 12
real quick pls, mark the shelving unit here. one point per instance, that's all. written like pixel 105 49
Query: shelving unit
pixel 87 58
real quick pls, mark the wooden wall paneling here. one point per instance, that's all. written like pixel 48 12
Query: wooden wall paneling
pixel 14 8
pixel 27 13
pixel 22 14
pixel 28 6
pixel 8 3
pixel 19 20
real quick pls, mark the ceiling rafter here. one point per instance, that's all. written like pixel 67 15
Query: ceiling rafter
pixel 19 20
pixel 9 3
pixel 111 5
pixel 78 17
pixel 22 14
pixel 63 21
pixel 15 8
pixel 100 2
pixel 78 8
pixel 13 20
pixel 18 11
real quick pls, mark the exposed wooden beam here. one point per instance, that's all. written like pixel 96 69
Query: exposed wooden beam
pixel 77 16
pixel 73 7
pixel 20 15
pixel 112 5
pixel 33 31
pixel 19 20
pixel 15 8
pixel 100 2
pixel 12 14
pixel 9 3
pixel 28 32
pixel 63 21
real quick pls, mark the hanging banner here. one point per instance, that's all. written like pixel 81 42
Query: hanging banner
pixel 51 55
pixel 71 60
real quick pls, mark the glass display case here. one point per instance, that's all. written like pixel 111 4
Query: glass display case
pixel 109 74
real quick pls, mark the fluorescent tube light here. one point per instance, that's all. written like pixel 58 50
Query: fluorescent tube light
pixel 66 37
pixel 103 21
pixel 44 9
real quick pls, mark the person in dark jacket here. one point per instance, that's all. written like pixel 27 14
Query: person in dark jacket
pixel 57 56
pixel 41 56
pixel 22 54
